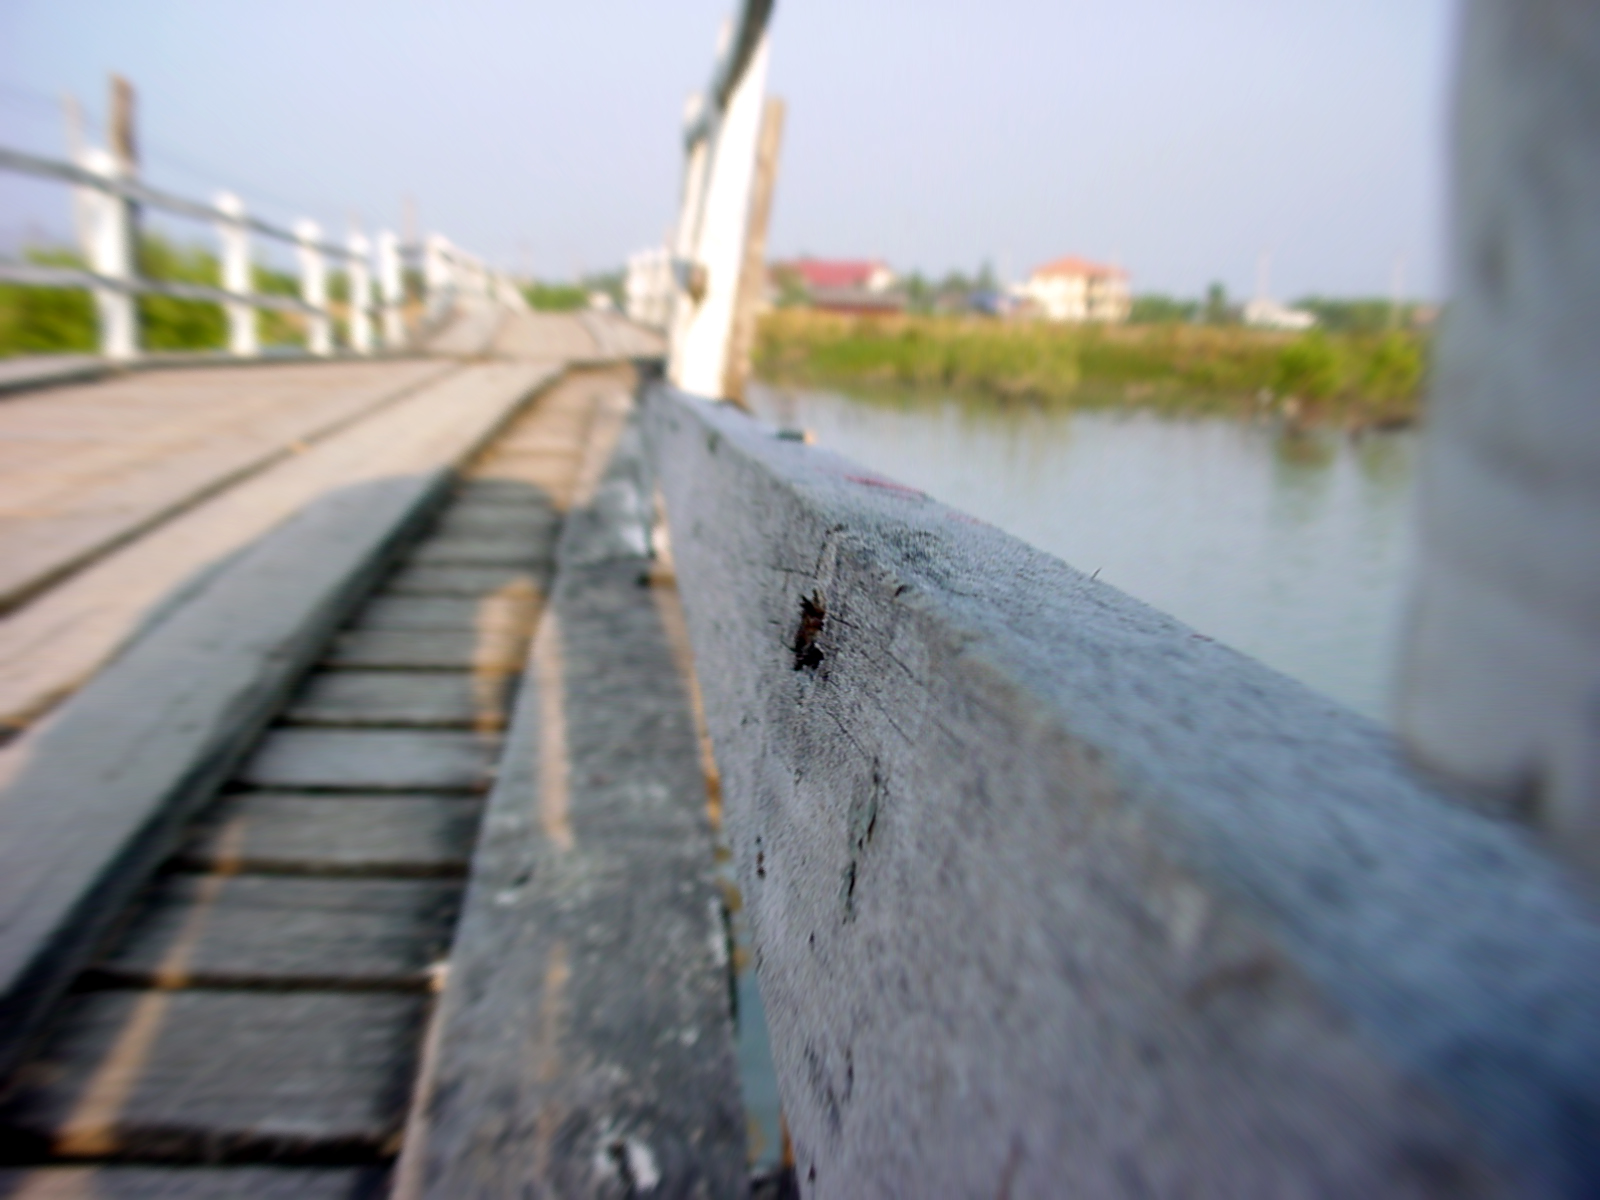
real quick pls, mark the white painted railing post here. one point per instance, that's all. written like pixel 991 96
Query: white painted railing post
pixel 436 274
pixel 110 230
pixel 713 229
pixel 359 277
pixel 235 244
pixel 1500 674
pixel 392 285
pixel 314 288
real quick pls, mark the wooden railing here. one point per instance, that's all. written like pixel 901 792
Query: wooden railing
pixel 1051 895
pixel 105 197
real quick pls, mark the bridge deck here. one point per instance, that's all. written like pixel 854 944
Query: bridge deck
pixel 252 1023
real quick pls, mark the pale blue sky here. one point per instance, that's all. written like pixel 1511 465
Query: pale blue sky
pixel 1181 139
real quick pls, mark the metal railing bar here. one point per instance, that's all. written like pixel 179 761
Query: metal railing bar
pixel 139 193
pixel 38 275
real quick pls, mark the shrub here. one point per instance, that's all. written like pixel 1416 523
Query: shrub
pixel 1309 367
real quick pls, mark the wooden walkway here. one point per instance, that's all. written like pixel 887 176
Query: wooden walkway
pixel 232 861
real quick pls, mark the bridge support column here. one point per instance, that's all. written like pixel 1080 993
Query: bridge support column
pixel 1500 676
pixel 235 241
pixel 314 288
pixel 392 285
pixel 109 227
pixel 360 281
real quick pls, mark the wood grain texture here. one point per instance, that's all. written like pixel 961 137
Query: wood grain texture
pixel 49 648
pixel 1051 895
pixel 92 800
pixel 585 1038
pixel 88 468
pixel 409 760
pixel 243 931
pixel 217 1077
pixel 350 834
pixel 420 699
pixel 417 650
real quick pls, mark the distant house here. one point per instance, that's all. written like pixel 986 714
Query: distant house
pixel 1075 289
pixel 1263 313
pixel 841 285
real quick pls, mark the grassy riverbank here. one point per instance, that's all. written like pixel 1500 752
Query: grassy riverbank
pixel 1334 378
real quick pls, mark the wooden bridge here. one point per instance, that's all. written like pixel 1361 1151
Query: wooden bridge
pixel 405 742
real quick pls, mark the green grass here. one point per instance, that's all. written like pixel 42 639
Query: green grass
pixel 1345 378
pixel 62 321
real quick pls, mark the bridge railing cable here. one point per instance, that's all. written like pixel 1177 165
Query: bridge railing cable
pixel 106 194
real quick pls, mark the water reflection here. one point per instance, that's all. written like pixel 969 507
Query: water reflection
pixel 1289 545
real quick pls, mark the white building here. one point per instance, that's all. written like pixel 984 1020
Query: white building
pixel 1075 289
pixel 1262 313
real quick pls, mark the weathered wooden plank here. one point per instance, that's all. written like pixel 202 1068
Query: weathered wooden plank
pixel 543 337
pixel 335 835
pixel 414 650
pixel 585 1040
pixel 50 370
pixel 411 760
pixel 413 699
pixel 198 1076
pixel 194 1183
pixel 96 795
pixel 233 931
pixel 1051 895
pixel 413 580
pixel 509 611
pixel 93 800
pixel 480 550
pixel 528 520
pixel 106 480
pixel 47 649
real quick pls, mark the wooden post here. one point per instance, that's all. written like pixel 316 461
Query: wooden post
pixel 1500 673
pixel 314 288
pixel 111 254
pixel 235 240
pixel 360 279
pixel 753 270
pixel 703 334
pixel 392 286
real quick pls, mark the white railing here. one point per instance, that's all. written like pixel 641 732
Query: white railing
pixel 104 197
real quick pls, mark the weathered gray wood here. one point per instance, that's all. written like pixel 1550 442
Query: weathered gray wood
pixel 585 1041
pixel 1052 896
pixel 218 1076
pixel 411 760
pixel 50 370
pixel 264 930
pixel 528 520
pixel 125 456
pixel 443 613
pixel 99 792
pixel 479 550
pixel 419 699
pixel 93 800
pixel 335 835
pixel 412 580
pixel 48 649
pixel 193 1183
pixel 422 650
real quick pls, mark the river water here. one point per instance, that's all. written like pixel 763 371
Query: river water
pixel 1292 547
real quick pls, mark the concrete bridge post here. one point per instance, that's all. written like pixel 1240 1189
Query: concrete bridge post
pixel 110 230
pixel 392 285
pixel 360 280
pixel 314 288
pixel 1500 674
pixel 234 241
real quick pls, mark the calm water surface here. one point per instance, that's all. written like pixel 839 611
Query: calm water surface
pixel 1292 548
